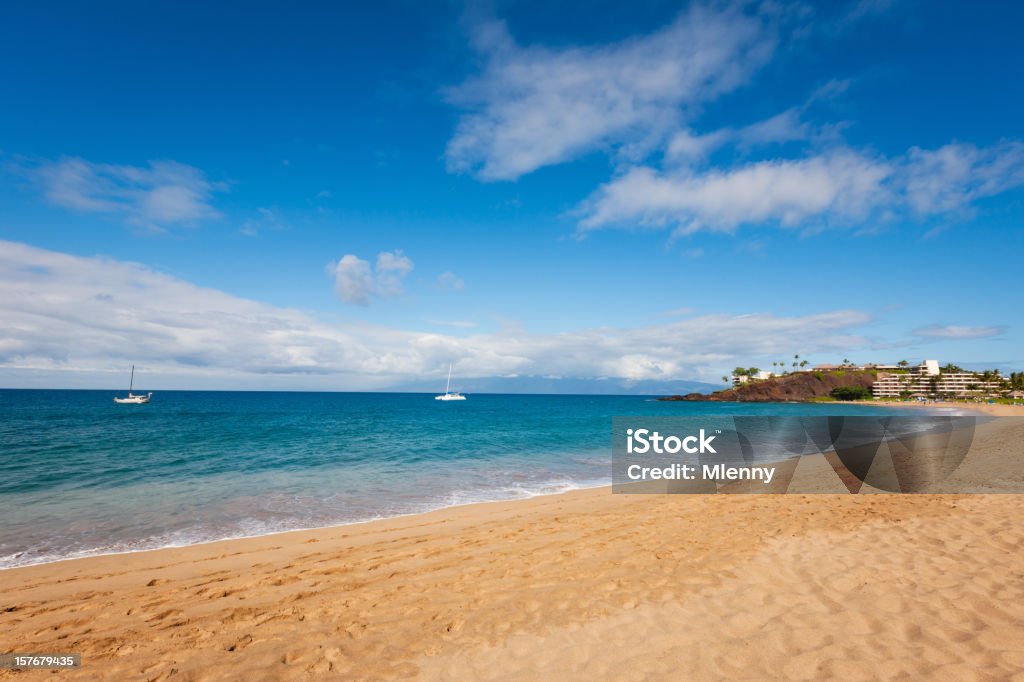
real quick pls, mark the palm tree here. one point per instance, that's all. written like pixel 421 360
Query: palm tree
pixel 725 380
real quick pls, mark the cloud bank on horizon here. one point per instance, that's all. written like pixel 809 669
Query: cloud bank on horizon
pixel 72 314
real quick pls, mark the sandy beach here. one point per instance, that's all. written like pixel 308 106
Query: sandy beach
pixel 577 585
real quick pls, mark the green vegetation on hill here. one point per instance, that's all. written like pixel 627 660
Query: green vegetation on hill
pixel 850 393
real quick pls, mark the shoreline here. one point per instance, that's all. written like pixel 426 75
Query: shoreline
pixel 201 543
pixel 993 410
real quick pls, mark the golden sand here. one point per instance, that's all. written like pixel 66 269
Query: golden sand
pixel 582 585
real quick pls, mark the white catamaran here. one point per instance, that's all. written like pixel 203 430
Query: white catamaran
pixel 133 399
pixel 448 395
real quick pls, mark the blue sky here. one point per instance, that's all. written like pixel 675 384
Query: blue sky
pixel 659 191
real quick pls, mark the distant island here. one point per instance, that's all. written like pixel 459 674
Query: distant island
pixel 848 381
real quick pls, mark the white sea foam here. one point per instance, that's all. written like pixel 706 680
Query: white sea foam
pixel 253 527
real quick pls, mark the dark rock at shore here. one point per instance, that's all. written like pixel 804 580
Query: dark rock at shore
pixel 796 387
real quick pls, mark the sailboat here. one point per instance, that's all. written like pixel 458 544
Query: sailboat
pixel 133 399
pixel 448 395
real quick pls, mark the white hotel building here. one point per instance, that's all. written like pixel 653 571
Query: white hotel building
pixel 927 380
pixel 760 376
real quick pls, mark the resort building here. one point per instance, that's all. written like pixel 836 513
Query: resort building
pixel 903 380
pixel 928 380
pixel 743 378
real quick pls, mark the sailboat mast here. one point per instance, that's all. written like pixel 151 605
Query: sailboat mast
pixel 131 382
pixel 448 386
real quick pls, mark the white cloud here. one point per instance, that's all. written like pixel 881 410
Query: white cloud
pixel 449 281
pixel 953 176
pixel 783 127
pixel 836 186
pixel 392 267
pixel 355 281
pixel 841 185
pixel 828 91
pixel 80 315
pixel 954 332
pixel 534 106
pixel 687 148
pixel 159 195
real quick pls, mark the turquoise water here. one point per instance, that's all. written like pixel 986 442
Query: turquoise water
pixel 80 475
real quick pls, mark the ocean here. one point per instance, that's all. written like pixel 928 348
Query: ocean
pixel 81 476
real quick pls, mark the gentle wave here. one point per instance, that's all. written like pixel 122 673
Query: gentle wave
pixel 254 528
